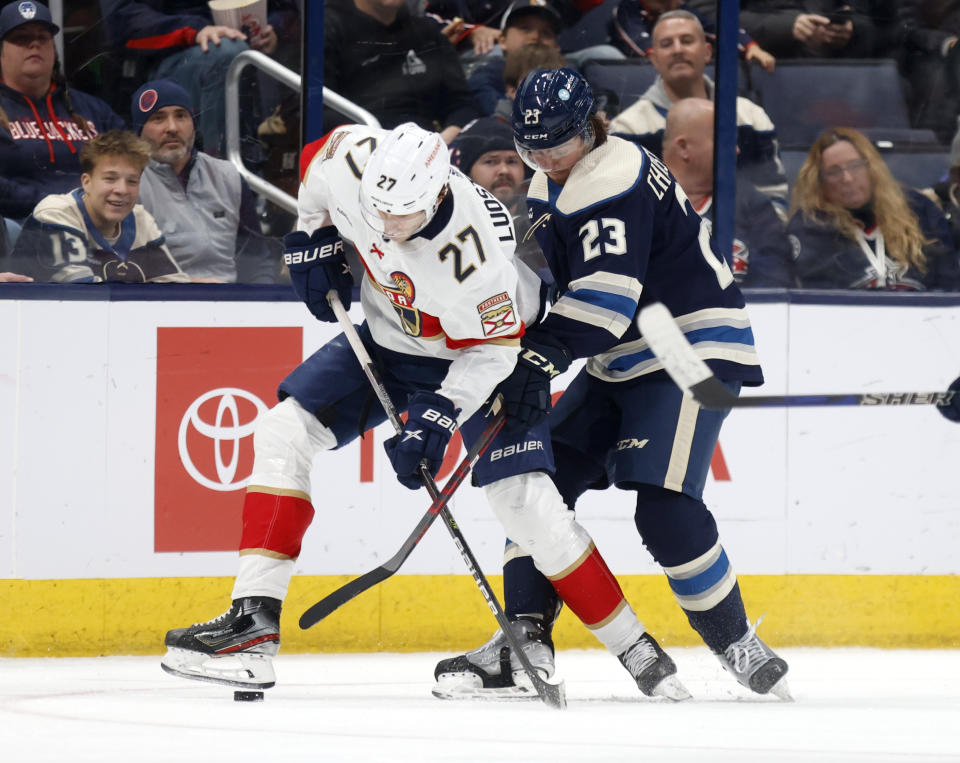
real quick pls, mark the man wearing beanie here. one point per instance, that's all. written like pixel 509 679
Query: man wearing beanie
pixel 205 209
pixel 486 153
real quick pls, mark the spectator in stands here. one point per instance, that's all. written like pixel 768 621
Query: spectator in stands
pixel 855 227
pixel 814 28
pixel 525 22
pixel 485 151
pixel 43 123
pixel 680 54
pixel 471 25
pixel 517 64
pixel 930 62
pixel 177 39
pixel 633 21
pixel 205 209
pixel 5 246
pixel 762 254
pixel 397 66
pixel 98 232
pixel 946 193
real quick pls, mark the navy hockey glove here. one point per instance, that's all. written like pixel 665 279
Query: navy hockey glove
pixel 952 411
pixel 317 264
pixel 431 422
pixel 526 391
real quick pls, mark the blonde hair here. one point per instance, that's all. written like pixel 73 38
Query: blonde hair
pixel 115 143
pixel 902 235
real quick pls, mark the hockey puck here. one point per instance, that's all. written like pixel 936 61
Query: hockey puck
pixel 248 696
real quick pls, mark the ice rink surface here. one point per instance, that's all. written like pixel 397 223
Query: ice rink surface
pixel 851 705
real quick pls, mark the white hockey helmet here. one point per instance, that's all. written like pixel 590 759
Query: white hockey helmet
pixel 403 181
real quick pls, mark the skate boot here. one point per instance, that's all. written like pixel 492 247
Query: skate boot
pixel 756 665
pixel 234 649
pixel 653 669
pixel 491 671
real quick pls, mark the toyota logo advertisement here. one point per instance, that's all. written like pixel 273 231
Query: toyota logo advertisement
pixel 225 435
pixel 212 386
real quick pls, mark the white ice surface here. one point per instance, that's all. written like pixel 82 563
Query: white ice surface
pixel 851 705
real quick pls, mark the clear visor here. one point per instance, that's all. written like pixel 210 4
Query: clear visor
pixel 559 157
pixel 396 227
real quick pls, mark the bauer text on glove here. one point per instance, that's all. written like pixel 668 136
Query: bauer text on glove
pixel 431 422
pixel 317 264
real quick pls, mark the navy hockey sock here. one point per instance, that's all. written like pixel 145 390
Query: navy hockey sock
pixel 527 592
pixel 723 624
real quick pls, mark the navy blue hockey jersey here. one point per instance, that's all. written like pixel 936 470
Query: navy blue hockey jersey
pixel 619 235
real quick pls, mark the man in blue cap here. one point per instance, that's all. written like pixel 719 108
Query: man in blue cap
pixel 206 211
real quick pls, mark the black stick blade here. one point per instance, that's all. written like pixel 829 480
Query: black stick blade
pixel 329 604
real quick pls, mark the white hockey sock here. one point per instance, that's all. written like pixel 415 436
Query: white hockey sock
pixel 620 631
pixel 261 575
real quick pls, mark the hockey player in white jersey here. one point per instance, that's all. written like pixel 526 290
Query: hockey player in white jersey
pixel 618 232
pixel 445 304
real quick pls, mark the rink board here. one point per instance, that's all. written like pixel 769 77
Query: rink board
pixel 126 445
pixel 412 613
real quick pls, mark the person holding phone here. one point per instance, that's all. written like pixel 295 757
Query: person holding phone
pixel 812 28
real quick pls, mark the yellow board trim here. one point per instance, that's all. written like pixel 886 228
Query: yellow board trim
pixel 446 613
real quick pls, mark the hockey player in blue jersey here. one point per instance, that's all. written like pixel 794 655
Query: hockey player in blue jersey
pixel 618 233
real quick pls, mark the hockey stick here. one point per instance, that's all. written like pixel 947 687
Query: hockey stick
pixel 551 694
pixel 692 375
pixel 368 580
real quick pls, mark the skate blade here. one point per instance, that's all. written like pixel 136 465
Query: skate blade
pixel 781 690
pixel 470 686
pixel 671 688
pixel 248 671
pixel 505 693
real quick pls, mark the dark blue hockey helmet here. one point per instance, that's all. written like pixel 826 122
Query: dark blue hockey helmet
pixel 551 107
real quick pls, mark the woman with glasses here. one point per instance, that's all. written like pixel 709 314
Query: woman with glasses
pixel 43 124
pixel 855 227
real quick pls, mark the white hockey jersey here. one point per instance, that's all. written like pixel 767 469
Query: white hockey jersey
pixel 452 291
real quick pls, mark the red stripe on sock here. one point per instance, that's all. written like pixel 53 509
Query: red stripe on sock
pixel 590 590
pixel 275 522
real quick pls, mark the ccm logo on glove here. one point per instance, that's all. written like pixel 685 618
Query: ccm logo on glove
pixel 543 364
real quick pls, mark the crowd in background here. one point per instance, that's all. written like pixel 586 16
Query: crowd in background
pixel 112 160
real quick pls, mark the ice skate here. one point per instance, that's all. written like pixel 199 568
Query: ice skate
pixel 653 670
pixel 234 649
pixel 492 672
pixel 756 665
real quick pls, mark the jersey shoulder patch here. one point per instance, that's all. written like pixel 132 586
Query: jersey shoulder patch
pixel 605 173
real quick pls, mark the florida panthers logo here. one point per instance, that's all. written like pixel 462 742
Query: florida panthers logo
pixel 402 294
